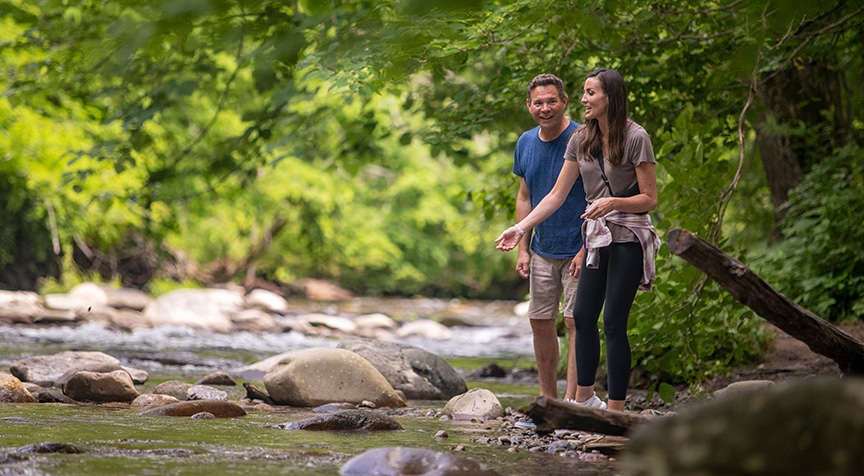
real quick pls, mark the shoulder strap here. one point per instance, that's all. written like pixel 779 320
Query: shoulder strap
pixel 603 174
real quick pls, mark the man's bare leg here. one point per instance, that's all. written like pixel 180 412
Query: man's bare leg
pixel 546 355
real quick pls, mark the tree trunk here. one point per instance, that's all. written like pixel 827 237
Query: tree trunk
pixel 794 132
pixel 752 291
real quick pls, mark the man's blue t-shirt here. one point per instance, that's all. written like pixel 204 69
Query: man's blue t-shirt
pixel 538 162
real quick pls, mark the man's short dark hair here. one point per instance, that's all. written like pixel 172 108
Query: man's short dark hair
pixel 547 79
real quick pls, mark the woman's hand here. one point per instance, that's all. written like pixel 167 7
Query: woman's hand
pixel 599 208
pixel 509 238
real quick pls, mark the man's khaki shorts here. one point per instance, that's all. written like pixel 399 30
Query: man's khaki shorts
pixel 549 279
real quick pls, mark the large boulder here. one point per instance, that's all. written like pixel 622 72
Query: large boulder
pixel 811 426
pixel 419 374
pixel 313 377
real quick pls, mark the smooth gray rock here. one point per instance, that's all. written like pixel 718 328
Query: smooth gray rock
pixel 45 370
pixel 475 403
pixel 86 386
pixel 314 377
pixel 419 374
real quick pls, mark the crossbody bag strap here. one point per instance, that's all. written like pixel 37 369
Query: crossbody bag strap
pixel 603 175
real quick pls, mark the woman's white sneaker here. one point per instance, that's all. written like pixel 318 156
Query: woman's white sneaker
pixel 593 402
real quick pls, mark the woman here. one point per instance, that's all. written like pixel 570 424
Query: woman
pixel 614 156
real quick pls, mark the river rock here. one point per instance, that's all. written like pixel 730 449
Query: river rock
pixel 419 374
pixel 152 400
pixel 187 409
pixel 94 294
pixel 50 448
pixel 266 301
pixel 810 426
pixel 313 377
pixel 13 391
pixel 399 461
pixel 47 395
pixel 175 388
pixel 127 319
pixel 346 420
pixel 86 386
pixel 255 320
pixel 337 323
pixel 376 320
pixel 216 378
pixel 475 403
pixel 320 290
pixel 45 370
pixel 425 328
pixel 65 302
pixel 744 386
pixel 206 309
pixel 205 392
pixel 19 307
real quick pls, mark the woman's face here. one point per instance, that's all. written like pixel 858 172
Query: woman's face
pixel 594 99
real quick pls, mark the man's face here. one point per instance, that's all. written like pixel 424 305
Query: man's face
pixel 546 107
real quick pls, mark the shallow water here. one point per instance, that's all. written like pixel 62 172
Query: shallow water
pixel 114 440
pixel 120 442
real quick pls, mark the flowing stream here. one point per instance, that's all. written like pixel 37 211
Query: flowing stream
pixel 114 440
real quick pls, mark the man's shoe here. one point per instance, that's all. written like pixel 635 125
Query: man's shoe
pixel 526 424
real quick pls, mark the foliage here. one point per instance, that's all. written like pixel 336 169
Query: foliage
pixel 819 262
pixel 374 140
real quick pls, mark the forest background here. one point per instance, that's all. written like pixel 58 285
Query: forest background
pixel 161 143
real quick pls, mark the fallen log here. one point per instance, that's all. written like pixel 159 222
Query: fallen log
pixel 551 414
pixel 751 290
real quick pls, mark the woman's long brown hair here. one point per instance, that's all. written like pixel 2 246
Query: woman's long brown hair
pixel 591 145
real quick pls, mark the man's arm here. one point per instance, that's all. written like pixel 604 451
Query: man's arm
pixel 523 208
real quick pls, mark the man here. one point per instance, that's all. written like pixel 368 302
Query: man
pixel 556 245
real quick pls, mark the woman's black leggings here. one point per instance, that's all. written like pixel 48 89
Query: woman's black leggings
pixel 614 281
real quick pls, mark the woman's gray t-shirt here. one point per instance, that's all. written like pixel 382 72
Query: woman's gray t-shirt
pixel 637 149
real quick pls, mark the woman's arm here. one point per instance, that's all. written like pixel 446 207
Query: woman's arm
pixel 551 202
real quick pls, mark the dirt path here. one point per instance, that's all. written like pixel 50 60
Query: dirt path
pixel 789 358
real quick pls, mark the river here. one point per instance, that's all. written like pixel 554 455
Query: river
pixel 112 440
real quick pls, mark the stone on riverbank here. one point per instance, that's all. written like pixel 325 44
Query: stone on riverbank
pixel 806 427
pixel 152 400
pixel 47 370
pixel 313 377
pixel 346 420
pixel 219 409
pixel 115 386
pixel 419 374
pixel 207 309
pixel 397 461
pixel 476 403
pixel 13 391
